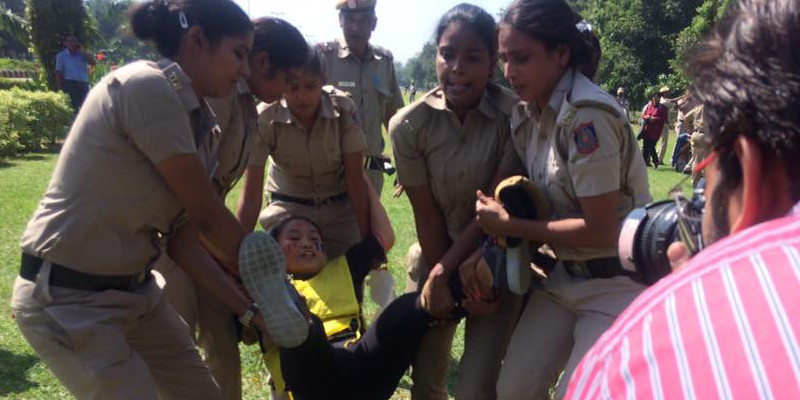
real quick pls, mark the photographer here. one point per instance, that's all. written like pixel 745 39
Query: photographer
pixel 723 325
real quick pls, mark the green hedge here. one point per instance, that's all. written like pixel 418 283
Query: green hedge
pixel 21 65
pixel 30 121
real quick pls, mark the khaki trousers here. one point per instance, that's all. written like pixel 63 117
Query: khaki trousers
pixel 662 151
pixel 485 342
pixel 211 323
pixel 563 318
pixel 111 344
pixel 339 232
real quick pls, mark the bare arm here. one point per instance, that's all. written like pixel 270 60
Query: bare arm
pixel 186 250
pixel 250 200
pixel 357 189
pixel 430 224
pixel 60 80
pixel 598 227
pixel 380 225
pixel 218 229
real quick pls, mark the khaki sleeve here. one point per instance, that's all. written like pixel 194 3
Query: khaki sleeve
pixel 412 167
pixel 352 132
pixel 251 128
pixel 264 140
pixel 396 102
pixel 510 162
pixel 154 117
pixel 594 159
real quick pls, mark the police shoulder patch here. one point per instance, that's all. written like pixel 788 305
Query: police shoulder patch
pixel 586 140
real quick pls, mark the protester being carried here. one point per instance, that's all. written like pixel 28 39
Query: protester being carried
pixel 328 354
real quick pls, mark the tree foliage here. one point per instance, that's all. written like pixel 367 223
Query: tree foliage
pixel 115 41
pixel 51 21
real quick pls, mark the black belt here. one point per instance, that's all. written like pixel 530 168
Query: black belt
pixel 598 268
pixel 64 277
pixel 274 196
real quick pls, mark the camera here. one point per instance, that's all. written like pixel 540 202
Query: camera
pixel 647 232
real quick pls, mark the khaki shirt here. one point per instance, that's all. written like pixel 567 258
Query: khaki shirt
pixel 432 147
pixel 303 164
pixel 580 145
pixel 693 121
pixel 106 203
pixel 372 85
pixel 238 121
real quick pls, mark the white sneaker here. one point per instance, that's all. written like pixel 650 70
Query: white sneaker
pixel 262 266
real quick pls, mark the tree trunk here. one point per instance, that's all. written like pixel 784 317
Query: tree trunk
pixel 50 22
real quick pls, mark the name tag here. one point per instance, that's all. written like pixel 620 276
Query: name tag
pixel 347 84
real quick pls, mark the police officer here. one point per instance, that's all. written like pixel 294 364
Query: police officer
pixel 367 72
pixel 579 150
pixel 278 49
pixel 450 143
pixel 316 147
pixel 138 156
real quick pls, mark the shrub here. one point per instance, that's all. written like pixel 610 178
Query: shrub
pixel 8 83
pixel 30 121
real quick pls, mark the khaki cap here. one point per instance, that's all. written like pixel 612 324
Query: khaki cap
pixel 355 4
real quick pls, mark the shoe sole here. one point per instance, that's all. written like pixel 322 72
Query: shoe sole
pixel 262 267
pixel 518 268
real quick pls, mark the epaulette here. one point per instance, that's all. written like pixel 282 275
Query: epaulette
pixel 382 52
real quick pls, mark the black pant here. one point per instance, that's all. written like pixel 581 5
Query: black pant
pixel 369 369
pixel 650 151
pixel 77 91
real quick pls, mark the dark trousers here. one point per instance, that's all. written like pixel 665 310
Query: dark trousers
pixel 369 369
pixel 649 150
pixel 77 91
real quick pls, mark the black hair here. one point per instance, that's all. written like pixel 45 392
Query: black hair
pixel 554 23
pixel 476 19
pixel 276 230
pixel 161 21
pixel 747 75
pixel 313 62
pixel 590 69
pixel 283 43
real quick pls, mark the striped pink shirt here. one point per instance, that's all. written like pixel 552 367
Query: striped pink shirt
pixel 724 327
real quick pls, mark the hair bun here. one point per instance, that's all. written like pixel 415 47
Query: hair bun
pixel 146 17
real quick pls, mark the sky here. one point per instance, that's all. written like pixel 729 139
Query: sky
pixel 403 25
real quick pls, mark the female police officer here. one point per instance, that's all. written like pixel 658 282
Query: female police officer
pixel 579 149
pixel 138 157
pixel 278 49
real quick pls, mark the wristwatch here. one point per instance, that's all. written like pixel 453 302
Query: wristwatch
pixel 248 315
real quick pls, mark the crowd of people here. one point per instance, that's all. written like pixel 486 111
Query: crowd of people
pixel 132 261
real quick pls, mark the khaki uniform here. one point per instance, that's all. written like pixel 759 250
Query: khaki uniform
pixel 238 122
pixel 309 166
pixel 103 214
pixel 433 148
pixel 699 140
pixel 579 145
pixel 372 85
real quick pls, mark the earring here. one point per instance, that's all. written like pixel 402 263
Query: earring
pixel 183 21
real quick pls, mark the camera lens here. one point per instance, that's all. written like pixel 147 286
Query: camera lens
pixel 646 234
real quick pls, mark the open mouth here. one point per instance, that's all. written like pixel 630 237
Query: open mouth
pixel 457 89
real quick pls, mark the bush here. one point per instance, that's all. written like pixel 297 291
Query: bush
pixel 19 65
pixel 30 121
pixel 8 83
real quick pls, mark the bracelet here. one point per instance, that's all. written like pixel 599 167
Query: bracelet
pixel 247 318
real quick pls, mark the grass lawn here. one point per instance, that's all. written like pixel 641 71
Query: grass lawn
pixel 22 183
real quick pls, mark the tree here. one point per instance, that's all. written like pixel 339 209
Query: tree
pixel 638 40
pixel 108 17
pixel 421 68
pixel 50 22
pixel 707 15
pixel 13 25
